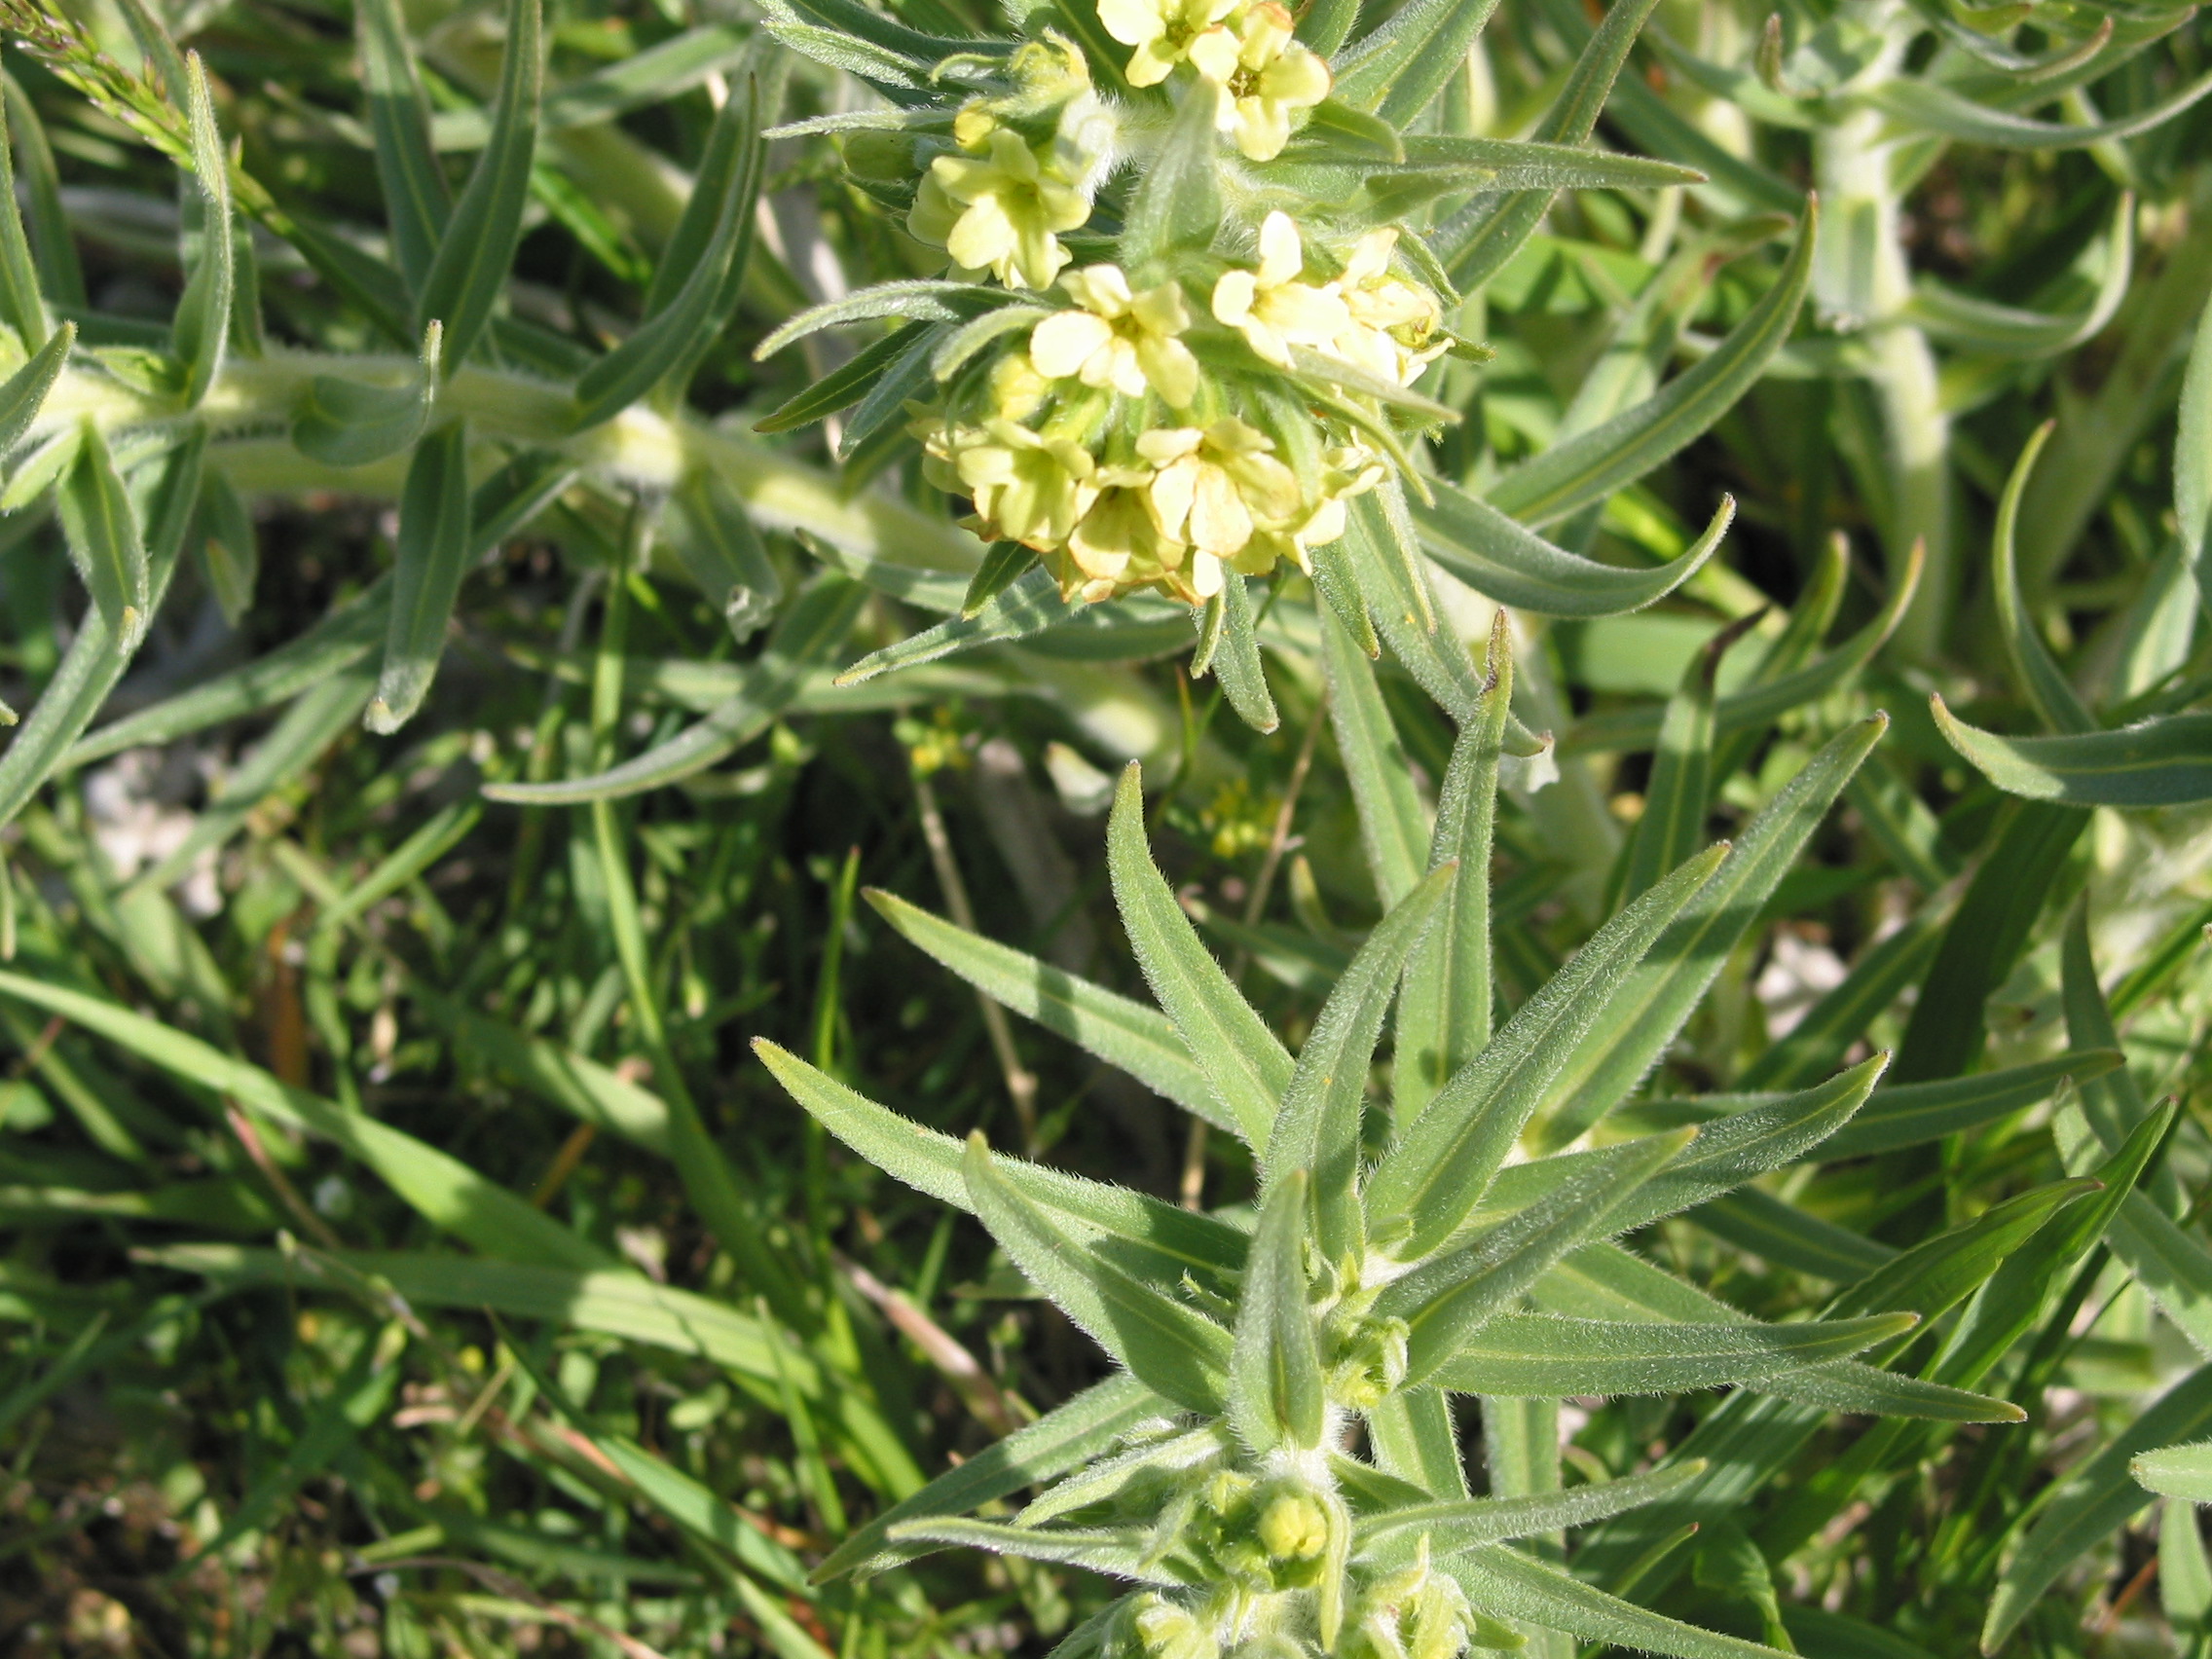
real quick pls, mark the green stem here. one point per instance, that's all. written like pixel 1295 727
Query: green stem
pixel 639 449
pixel 1861 279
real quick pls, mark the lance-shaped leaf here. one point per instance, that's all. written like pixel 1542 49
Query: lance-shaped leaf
pixel 1502 559
pixel 2046 689
pixel 1759 705
pixel 342 421
pixel 1591 465
pixel 25 393
pixel 1680 787
pixel 1657 995
pixel 1029 605
pixel 1139 1040
pixel 1247 1067
pixel 1431 1180
pixel 1916 1113
pixel 1471 1523
pixel 1927 106
pixel 1506 1581
pixel 23 308
pixel 850 382
pixel 101 528
pixel 1444 1007
pixel 430 557
pixel 2092 1502
pixel 1072 1434
pixel 1162 1243
pixel 1491 228
pixel 1749 1438
pixel 2177 1471
pixel 927 300
pixel 2193 457
pixel 230 548
pixel 469 270
pixel 1990 329
pixel 416 198
pixel 1393 828
pixel 1737 1148
pixel 714 538
pixel 1318 1127
pixel 1451 1297
pixel 1545 1355
pixel 1127 1552
pixel 716 233
pixel 1110 1477
pixel 1275 1395
pixel 1604 1281
pixel 1236 664
pixel 1166 1344
pixel 202 330
pixel 1398 70
pixel 96 661
pixel 2165 761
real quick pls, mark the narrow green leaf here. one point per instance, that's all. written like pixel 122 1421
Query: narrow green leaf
pixel 2045 688
pixel 1139 1040
pixel 578 1085
pixel 2092 1502
pixel 54 249
pixel 1927 106
pixel 439 1186
pixel 1085 1427
pixel 1762 1225
pixel 1160 1240
pixel 1393 827
pixel 21 305
pixel 25 393
pixel 230 548
pixel 1503 560
pixel 2193 456
pixel 1275 1394
pixel 1920 1112
pixel 101 528
pixel 415 197
pixel 1591 465
pixel 202 331
pixel 1028 606
pixel 1431 1181
pixel 469 274
pixel 926 301
pixel 678 323
pixel 1318 1127
pixel 1472 1522
pixel 1124 1553
pixel 1657 995
pixel 846 385
pixel 2165 762
pixel 714 538
pixel 1412 1435
pixel 803 643
pixel 1448 1297
pixel 1680 787
pixel 430 560
pixel 1247 1067
pixel 342 422
pixel 1543 1356
pixel 1398 69
pixel 1444 1008
pixel 1507 1582
pixel 2177 1471
pixel 1169 1347
pixel 1243 680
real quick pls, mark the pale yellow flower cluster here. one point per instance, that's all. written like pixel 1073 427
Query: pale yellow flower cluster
pixel 1366 316
pixel 1266 76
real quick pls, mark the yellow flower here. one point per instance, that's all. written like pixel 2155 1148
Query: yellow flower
pixel 1274 79
pixel 1166 32
pixel 1119 546
pixel 1216 489
pixel 1270 307
pixel 999 211
pixel 1119 339
pixel 1392 320
pixel 1027 488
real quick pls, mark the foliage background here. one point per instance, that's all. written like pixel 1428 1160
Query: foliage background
pixel 225 1434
